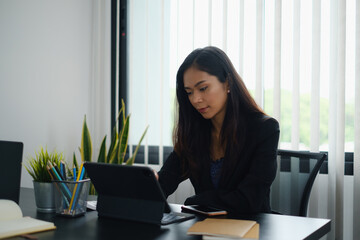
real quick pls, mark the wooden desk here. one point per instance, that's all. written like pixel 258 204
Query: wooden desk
pixel 91 227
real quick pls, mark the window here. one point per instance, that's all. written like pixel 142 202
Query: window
pixel 297 57
pixel 278 49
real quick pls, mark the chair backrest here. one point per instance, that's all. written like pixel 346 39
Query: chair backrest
pixel 290 191
pixel 11 154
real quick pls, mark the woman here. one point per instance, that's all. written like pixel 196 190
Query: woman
pixel 223 141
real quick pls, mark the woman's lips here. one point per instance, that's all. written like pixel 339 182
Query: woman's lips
pixel 203 110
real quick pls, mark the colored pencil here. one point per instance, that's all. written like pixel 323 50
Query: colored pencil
pixel 75 191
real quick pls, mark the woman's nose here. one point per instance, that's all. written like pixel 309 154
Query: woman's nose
pixel 197 97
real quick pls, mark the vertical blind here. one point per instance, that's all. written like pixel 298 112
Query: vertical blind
pixel 299 59
pixel 356 221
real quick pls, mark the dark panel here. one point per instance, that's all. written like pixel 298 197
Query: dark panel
pixel 113 62
pixel 285 164
pixel 154 155
pixel 304 165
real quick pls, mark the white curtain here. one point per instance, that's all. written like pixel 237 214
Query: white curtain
pixel 299 59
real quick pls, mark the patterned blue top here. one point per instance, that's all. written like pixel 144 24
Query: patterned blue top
pixel 215 171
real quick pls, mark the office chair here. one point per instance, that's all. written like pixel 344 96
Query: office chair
pixel 290 191
pixel 11 154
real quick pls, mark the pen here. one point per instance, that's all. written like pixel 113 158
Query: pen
pixel 56 184
pixel 63 185
pixel 76 189
pixel 59 172
pixel 74 173
pixel 63 169
pixel 79 188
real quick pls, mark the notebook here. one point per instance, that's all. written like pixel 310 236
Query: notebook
pixel 131 193
pixel 11 154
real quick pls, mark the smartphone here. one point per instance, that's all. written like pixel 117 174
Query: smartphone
pixel 205 210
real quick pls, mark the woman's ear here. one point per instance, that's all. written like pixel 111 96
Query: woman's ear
pixel 227 87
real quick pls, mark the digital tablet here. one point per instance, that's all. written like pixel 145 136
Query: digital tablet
pixel 205 210
pixel 131 193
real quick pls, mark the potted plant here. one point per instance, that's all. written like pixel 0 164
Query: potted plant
pixel 118 145
pixel 43 187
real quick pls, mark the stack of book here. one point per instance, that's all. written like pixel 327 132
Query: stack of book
pixel 218 229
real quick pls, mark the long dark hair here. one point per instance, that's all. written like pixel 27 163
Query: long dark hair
pixel 192 134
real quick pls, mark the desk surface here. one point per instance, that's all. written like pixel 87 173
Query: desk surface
pixel 272 226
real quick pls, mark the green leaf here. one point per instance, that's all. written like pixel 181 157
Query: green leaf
pixel 113 154
pixel 102 153
pixel 112 143
pixel 75 164
pixel 86 145
pixel 92 190
pixel 123 110
pixel 123 140
pixel 131 160
pixel 37 166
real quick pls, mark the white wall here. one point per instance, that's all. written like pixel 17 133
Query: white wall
pixel 54 69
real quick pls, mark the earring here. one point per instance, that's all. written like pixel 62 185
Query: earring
pixel 228 91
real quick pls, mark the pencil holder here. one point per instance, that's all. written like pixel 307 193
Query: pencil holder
pixel 71 197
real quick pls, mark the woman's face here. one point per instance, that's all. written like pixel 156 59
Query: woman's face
pixel 206 93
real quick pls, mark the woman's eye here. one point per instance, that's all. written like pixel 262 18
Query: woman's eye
pixel 188 93
pixel 203 89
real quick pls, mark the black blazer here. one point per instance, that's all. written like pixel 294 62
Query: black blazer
pixel 247 188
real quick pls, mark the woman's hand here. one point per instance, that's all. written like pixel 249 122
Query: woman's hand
pixel 156 174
